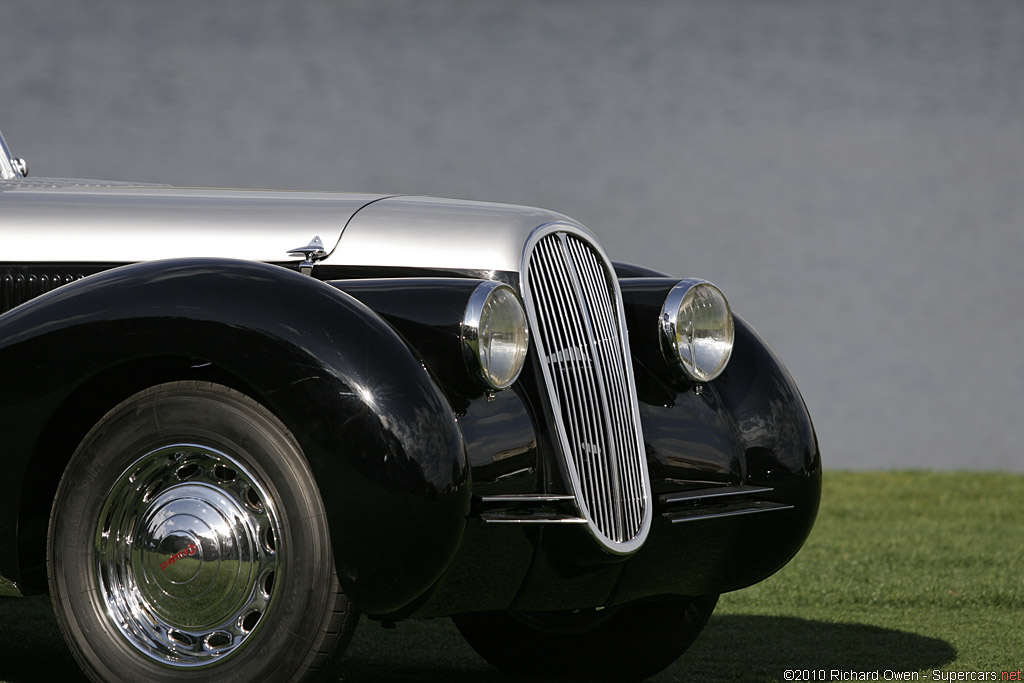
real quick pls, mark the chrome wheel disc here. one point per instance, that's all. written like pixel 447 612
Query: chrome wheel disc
pixel 187 554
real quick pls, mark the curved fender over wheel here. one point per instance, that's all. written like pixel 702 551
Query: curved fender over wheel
pixel 379 436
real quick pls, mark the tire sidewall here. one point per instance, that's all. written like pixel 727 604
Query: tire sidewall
pixel 220 418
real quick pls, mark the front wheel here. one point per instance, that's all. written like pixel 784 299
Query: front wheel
pixel 626 643
pixel 188 541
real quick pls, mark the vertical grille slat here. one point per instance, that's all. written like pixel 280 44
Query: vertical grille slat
pixel 573 368
pixel 574 307
pixel 603 335
pixel 570 386
pixel 617 387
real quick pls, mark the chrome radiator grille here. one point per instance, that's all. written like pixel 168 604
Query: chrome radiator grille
pixel 574 306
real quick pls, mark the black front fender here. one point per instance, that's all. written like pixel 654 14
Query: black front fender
pixel 379 435
pixel 747 432
pixel 748 428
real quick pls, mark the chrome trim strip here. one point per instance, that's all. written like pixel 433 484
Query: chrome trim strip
pixel 748 508
pixel 515 473
pixel 526 498
pixel 702 494
pixel 530 508
pixel 494 518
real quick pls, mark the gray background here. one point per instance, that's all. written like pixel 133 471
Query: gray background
pixel 850 173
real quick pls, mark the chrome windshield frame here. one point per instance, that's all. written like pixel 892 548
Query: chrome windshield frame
pixel 9 168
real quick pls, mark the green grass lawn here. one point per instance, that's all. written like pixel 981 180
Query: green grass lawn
pixel 904 572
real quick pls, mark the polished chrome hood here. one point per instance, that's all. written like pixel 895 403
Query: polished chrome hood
pixel 449 234
pixel 59 220
pixel 82 221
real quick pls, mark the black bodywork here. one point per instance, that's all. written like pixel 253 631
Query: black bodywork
pixel 408 449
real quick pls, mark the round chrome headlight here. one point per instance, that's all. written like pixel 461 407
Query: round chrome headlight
pixel 494 330
pixel 697 329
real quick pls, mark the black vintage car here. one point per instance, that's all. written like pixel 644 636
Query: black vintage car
pixel 235 420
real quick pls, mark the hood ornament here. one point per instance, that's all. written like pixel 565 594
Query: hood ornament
pixel 311 253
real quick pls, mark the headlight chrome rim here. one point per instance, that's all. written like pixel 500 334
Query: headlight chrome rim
pixel 674 330
pixel 477 334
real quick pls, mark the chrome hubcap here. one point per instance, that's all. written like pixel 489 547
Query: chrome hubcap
pixel 187 554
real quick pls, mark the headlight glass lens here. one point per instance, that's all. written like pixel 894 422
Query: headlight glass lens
pixel 698 328
pixel 495 330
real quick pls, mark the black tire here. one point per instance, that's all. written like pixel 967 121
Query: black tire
pixel 627 643
pixel 188 541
